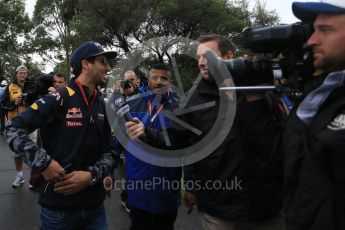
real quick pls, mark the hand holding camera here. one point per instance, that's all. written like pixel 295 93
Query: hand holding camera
pixel 124 87
pixel 117 87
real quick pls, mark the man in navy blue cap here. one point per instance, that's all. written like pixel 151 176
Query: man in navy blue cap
pixel 77 149
pixel 89 51
pixel 315 135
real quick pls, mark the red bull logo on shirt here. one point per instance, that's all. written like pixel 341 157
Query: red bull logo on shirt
pixel 74 113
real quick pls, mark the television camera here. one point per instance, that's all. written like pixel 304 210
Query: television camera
pixel 36 86
pixel 284 55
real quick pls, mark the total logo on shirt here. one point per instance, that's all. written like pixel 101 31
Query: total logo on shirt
pixel 74 123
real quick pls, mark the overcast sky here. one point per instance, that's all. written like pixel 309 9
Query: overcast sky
pixel 283 8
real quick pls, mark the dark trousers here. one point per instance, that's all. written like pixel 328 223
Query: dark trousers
pixel 143 220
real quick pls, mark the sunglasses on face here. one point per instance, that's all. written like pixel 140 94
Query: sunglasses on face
pixel 101 59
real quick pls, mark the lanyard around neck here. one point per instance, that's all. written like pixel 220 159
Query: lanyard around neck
pixel 89 105
pixel 156 113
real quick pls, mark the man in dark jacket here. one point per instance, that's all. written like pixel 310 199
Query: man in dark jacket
pixel 246 166
pixel 314 139
pixel 78 152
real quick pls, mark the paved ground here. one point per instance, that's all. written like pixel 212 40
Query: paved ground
pixel 19 209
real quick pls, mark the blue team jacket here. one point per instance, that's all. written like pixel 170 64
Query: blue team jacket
pixel 161 197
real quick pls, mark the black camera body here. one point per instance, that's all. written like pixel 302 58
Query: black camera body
pixel 283 55
pixel 276 39
pixel 36 86
pixel 126 84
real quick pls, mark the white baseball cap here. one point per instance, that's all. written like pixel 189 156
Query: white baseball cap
pixel 307 11
pixel 4 82
pixel 21 68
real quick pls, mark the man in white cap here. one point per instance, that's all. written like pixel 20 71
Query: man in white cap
pixel 3 83
pixel 315 135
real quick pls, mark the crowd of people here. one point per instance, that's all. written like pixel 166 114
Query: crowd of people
pixel 286 170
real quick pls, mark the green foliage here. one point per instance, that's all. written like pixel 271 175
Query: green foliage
pixel 263 17
pixel 190 18
pixel 33 68
pixel 110 22
pixel 53 36
pixel 14 23
pixel 59 26
pixel 61 67
pixel 188 70
pixel 126 23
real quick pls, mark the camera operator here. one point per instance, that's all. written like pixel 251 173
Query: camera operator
pixel 13 104
pixel 250 153
pixel 314 139
pixel 128 86
pixel 13 98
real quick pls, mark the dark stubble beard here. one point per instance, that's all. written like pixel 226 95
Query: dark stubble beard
pixel 331 64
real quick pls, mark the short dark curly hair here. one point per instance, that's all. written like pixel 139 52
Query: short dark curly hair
pixel 223 42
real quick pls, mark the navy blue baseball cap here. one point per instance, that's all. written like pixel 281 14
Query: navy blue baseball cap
pixel 307 11
pixel 90 49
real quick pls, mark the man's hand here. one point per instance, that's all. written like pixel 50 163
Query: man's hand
pixel 73 182
pixel 117 87
pixel 229 94
pixel 189 201
pixel 254 96
pixel 128 91
pixel 54 172
pixel 135 128
pixel 51 89
pixel 108 183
